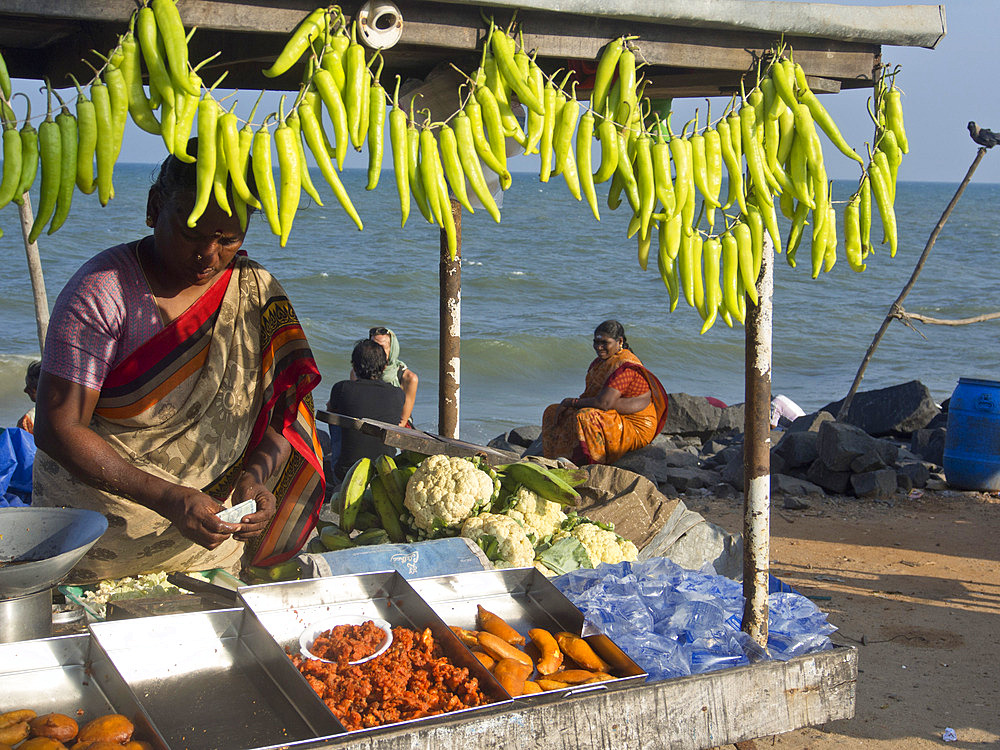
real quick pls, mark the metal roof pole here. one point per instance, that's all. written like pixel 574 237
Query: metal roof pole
pixel 757 452
pixel 450 329
pixel 35 272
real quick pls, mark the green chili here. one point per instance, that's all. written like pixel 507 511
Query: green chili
pixel 264 176
pixel 304 176
pixel 730 273
pixel 171 29
pixel 584 136
pixel 606 69
pixel 712 253
pixel 822 117
pixel 470 164
pixel 311 27
pixel 645 183
pixel 376 128
pixel 680 150
pixel 417 187
pixel 428 175
pixel 667 265
pixel 289 170
pixel 397 137
pixel 452 165
pixel 105 141
pixel 894 118
pixel 474 112
pixel 865 215
pixel 337 109
pixel 50 148
pixel 503 50
pixel 11 163
pixel 138 104
pixel 354 86
pixel 314 139
pixel 68 135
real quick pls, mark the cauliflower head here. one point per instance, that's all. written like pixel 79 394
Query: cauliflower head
pixel 444 491
pixel 603 546
pixel 513 548
pixel 540 517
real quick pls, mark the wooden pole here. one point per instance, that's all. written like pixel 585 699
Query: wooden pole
pixel 895 307
pixel 757 452
pixel 35 272
pixel 450 331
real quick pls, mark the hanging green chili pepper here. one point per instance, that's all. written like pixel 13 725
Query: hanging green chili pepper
pixel 68 136
pixel 496 84
pixel 307 184
pixel 184 113
pixel 883 199
pixel 264 176
pixel 730 274
pixel 711 256
pixel 314 139
pixel 799 171
pixel 428 175
pixel 220 180
pixel 818 249
pixel 452 165
pixel 830 254
pixel 667 265
pixel 11 163
pixel 153 53
pixel 397 137
pixel 4 80
pixel 290 172
pixel 673 229
pixel 696 242
pixel 562 135
pixel 470 164
pixel 482 144
pixel 685 259
pixel 354 87
pixel 865 215
pixel 493 127
pixel 118 100
pixel 570 175
pixel 733 167
pixel 744 248
pixel 662 182
pixel 546 146
pixel 645 182
pixel 626 83
pixel 536 121
pixel 584 136
pixel 503 50
pixel 894 118
pixel 894 157
pixel 609 149
pixel 626 172
pixel 366 83
pixel 335 57
pixel 376 128
pixel 230 140
pixel 417 187
pixel 138 104
pixel 50 148
pixel 786 136
pixel 754 157
pixel 852 233
pixel 337 109
pixel 756 223
pixel 795 232
pixel 171 28
pixel 783 84
pixel 606 69
pixel 208 117
pixel 680 150
pixel 439 187
pixel 822 117
pixel 86 118
pixel 105 141
pixel 311 27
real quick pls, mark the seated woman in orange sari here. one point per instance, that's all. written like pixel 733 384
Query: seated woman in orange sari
pixel 623 406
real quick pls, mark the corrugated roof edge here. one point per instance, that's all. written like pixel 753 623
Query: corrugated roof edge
pixel 895 25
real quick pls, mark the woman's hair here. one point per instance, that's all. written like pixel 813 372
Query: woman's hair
pixel 615 330
pixel 368 359
pixel 32 374
pixel 177 178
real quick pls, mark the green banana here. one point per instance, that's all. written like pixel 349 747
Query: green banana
pixel 334 538
pixel 541 481
pixel 386 509
pixel 316 546
pixel 366 519
pixel 352 492
pixel 395 487
pixel 372 536
pixel 384 464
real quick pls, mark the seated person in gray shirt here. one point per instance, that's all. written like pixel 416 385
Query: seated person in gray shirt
pixel 368 397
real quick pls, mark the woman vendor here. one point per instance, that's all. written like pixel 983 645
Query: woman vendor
pixel 622 407
pixel 175 382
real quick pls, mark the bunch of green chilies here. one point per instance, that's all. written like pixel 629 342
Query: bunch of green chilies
pixel 771 130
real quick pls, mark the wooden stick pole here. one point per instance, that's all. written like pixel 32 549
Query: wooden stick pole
pixel 35 272
pixel 895 306
pixel 450 330
pixel 757 452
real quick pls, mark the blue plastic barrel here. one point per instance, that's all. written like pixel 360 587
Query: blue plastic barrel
pixel 972 445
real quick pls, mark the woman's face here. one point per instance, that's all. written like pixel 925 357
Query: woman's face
pixel 383 340
pixel 605 346
pixel 193 256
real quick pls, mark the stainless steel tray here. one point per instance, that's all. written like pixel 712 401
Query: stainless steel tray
pixel 56 675
pixel 525 599
pixel 284 610
pixel 211 680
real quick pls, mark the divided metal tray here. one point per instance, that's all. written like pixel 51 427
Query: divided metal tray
pixel 525 599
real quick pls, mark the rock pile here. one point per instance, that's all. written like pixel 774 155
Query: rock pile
pixel 891 441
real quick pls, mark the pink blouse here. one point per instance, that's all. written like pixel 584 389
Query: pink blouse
pixel 104 313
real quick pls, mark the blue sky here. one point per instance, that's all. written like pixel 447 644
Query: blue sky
pixel 943 89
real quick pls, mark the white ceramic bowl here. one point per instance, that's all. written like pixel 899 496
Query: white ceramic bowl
pixel 309 634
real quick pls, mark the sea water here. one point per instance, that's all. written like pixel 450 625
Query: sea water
pixel 535 286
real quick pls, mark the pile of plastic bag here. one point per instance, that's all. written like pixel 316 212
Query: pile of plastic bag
pixel 673 622
pixel 17 458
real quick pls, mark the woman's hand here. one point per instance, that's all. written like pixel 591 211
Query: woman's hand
pixel 193 513
pixel 253 524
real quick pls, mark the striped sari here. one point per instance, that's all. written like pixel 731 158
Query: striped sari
pixel 188 406
pixel 595 436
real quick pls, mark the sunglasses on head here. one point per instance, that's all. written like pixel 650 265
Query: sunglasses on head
pixel 380 331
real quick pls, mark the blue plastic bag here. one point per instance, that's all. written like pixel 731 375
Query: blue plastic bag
pixel 17 458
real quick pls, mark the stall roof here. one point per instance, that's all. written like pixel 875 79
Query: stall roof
pixel 693 47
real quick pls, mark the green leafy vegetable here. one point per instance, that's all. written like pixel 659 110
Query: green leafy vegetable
pixel 566 555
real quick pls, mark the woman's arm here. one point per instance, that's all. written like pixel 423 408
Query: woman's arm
pixel 408 380
pixel 62 429
pixel 611 398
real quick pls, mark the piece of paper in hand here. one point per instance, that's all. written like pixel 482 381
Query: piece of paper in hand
pixel 236 513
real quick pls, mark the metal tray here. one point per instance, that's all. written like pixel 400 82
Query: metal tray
pixel 284 610
pixel 525 599
pixel 211 680
pixel 56 675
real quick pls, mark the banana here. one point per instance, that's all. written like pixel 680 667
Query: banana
pixel 333 538
pixel 384 464
pixel 541 481
pixel 352 492
pixel 386 509
pixel 372 536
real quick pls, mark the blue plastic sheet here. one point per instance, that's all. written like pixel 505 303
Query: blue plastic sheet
pixel 673 621
pixel 17 458
pixel 433 557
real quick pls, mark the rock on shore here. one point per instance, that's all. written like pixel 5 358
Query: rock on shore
pixel 890 442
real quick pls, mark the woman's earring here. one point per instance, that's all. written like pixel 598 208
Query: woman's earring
pixel 149 221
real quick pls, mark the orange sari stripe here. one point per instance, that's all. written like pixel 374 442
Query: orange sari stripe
pixel 153 397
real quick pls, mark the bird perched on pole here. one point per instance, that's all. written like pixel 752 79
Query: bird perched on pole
pixel 982 136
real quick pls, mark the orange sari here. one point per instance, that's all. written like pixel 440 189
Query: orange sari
pixel 595 436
